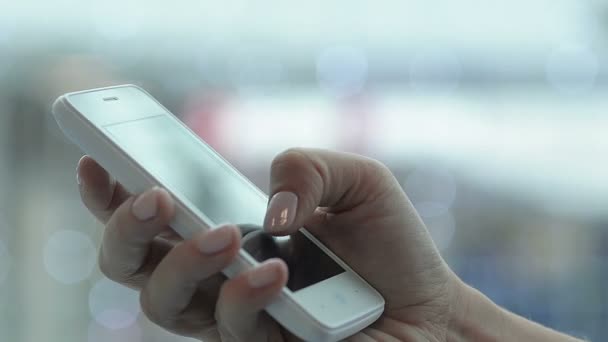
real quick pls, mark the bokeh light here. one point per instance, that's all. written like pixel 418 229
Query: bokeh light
pixel 69 256
pixel 342 71
pixel 572 69
pixel 431 190
pixel 101 333
pixel 112 305
pixel 442 228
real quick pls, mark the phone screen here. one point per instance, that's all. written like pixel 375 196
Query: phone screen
pixel 192 170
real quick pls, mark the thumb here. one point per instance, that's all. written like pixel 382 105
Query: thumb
pixel 304 179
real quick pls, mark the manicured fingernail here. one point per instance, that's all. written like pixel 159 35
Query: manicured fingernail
pixel 266 274
pixel 281 211
pixel 145 206
pixel 216 240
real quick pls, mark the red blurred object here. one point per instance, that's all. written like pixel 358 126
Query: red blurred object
pixel 355 115
pixel 202 110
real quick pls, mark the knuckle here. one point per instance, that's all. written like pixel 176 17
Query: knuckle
pixel 118 228
pixel 155 315
pixel 290 158
pixel 106 266
pixel 120 225
pixel 376 167
pixel 146 307
pixel 116 269
pixel 109 269
pixel 376 177
pixel 300 162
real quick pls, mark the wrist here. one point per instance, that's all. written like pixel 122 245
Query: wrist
pixel 474 317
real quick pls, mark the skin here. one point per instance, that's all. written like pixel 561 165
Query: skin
pixel 352 204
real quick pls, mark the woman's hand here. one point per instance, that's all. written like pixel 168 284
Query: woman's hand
pixel 352 204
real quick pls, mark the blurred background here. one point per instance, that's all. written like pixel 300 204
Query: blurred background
pixel 492 115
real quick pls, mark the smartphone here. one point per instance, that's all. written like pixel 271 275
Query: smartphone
pixel 142 145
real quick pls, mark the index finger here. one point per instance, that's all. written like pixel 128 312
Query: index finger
pixel 100 193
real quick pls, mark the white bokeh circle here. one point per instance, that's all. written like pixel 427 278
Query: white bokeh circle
pixel 5 262
pixel 112 305
pixel 100 333
pixel 431 190
pixel 435 71
pixel 342 71
pixel 572 69
pixel 69 256
pixel 442 229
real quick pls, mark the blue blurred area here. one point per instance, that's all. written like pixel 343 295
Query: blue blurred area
pixel 492 116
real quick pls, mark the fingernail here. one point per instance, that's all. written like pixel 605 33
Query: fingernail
pixel 281 211
pixel 216 240
pixel 146 205
pixel 78 179
pixel 264 275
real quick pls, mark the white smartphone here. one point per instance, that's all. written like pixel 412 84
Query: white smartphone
pixel 142 145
